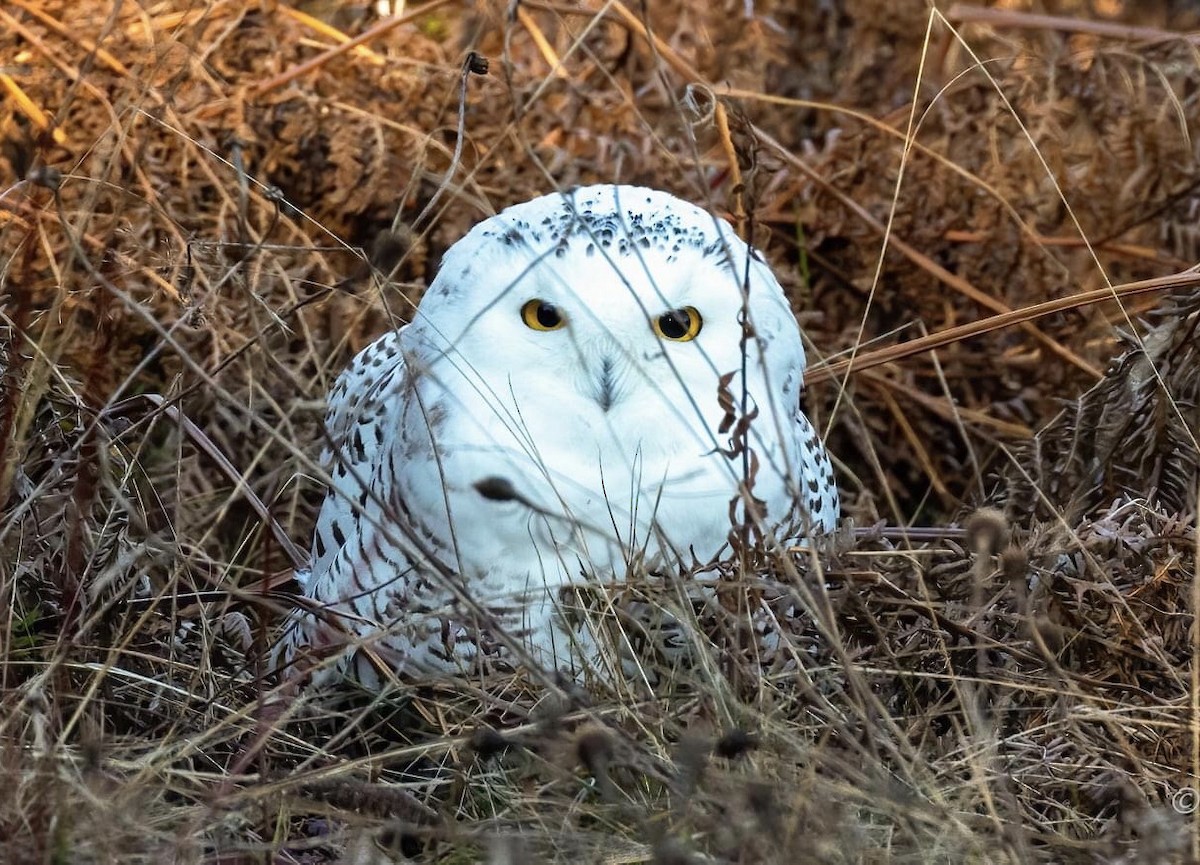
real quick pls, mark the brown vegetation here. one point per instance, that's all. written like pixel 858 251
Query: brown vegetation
pixel 200 209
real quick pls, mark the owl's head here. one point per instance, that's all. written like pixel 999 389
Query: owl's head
pixel 617 303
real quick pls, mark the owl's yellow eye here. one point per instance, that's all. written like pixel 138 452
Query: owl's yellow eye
pixel 540 315
pixel 679 325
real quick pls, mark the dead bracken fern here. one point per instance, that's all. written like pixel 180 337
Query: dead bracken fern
pixel 1132 436
pixel 206 208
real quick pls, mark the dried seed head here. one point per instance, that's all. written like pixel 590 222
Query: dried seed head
pixel 735 744
pixel 488 743
pixel 389 247
pixel 497 489
pixel 987 531
pixel 477 64
pixel 46 176
pixel 1014 565
pixel 594 748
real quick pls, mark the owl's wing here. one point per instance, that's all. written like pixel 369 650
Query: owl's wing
pixel 354 400
pixel 362 416
pixel 818 489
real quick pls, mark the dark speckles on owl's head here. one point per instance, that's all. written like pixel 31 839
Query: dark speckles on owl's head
pixel 620 221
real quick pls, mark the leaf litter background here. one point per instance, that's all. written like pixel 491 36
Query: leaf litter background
pixel 194 239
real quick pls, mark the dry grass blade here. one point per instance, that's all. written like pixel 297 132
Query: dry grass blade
pixel 63 30
pixel 298 557
pixel 376 32
pixel 36 116
pixel 961 13
pixel 891 354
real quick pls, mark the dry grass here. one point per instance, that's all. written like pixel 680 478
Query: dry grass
pixel 202 203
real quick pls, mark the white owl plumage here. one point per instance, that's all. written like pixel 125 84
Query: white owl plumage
pixel 558 408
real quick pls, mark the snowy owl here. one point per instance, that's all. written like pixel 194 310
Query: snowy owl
pixel 584 389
